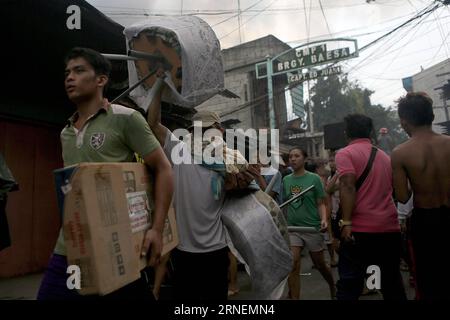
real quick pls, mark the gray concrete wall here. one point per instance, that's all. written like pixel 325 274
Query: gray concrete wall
pixel 252 107
pixel 427 80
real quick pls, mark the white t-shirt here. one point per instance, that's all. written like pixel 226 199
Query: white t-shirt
pixel 199 224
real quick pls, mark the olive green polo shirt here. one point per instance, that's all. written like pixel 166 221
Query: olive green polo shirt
pixel 114 134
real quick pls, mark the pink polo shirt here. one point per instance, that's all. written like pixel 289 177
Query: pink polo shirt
pixel 374 209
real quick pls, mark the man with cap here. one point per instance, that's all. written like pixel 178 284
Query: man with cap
pixel 200 260
pixel 385 142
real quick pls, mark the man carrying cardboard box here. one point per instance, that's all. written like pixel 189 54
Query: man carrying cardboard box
pixel 101 132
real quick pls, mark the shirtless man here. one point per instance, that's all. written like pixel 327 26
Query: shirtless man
pixel 422 166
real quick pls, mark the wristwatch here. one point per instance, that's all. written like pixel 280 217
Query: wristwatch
pixel 343 223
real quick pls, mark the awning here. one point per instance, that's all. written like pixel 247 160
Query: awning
pixel 35 39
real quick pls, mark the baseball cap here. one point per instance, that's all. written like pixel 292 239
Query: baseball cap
pixel 208 118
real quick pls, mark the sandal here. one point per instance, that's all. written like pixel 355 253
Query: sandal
pixel 232 292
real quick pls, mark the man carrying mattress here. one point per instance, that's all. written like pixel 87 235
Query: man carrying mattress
pixel 201 258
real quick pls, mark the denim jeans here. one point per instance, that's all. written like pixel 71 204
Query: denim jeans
pixel 379 249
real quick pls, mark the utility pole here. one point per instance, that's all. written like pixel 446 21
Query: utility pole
pixel 270 93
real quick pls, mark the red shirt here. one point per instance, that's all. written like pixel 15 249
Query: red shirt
pixel 374 208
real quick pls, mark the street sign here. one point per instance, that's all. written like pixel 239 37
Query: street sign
pixel 306 56
pixel 281 66
pixel 313 74
pixel 302 57
pixel 323 52
pixel 299 58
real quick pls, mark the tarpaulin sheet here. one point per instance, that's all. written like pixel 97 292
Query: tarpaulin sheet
pixel 257 237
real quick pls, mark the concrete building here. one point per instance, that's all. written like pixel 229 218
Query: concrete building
pixel 251 110
pixel 430 80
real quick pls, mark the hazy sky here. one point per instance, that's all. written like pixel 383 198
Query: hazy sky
pixel 379 68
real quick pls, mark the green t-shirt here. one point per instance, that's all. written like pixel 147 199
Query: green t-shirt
pixel 113 134
pixel 304 212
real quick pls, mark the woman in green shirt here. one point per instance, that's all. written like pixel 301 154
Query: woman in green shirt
pixel 309 211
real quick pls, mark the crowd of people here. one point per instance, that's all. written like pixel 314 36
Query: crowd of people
pixel 356 209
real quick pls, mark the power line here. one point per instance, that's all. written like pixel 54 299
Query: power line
pixel 230 11
pixel 410 3
pixel 359 28
pixel 402 47
pixel 239 21
pixel 401 26
pixel 441 31
pixel 309 19
pixel 422 35
pixel 258 100
pixel 325 17
pixel 421 14
pixel 442 44
pixel 409 54
pixel 248 20
pixel 306 21
pixel 239 12
pixel 425 11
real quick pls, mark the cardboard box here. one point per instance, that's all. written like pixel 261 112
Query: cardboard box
pixel 107 210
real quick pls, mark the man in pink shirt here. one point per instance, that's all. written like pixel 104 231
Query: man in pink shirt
pixel 370 231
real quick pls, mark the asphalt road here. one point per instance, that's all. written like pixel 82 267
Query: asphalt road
pixel 313 285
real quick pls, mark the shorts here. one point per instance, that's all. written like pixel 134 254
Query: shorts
pixel 314 241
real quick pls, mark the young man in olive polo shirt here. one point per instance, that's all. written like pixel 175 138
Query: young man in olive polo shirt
pixel 101 132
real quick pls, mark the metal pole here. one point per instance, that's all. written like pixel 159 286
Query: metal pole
pixel 270 93
pixel 134 86
pixel 310 115
pixel 296 196
pixel 302 229
pixel 119 57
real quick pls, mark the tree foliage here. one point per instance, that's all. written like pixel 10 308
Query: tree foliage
pixel 335 97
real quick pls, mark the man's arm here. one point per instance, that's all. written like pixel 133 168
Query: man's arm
pixel 162 170
pixel 347 192
pixel 400 178
pixel 320 195
pixel 276 189
pixel 255 170
pixel 154 117
pixel 332 185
